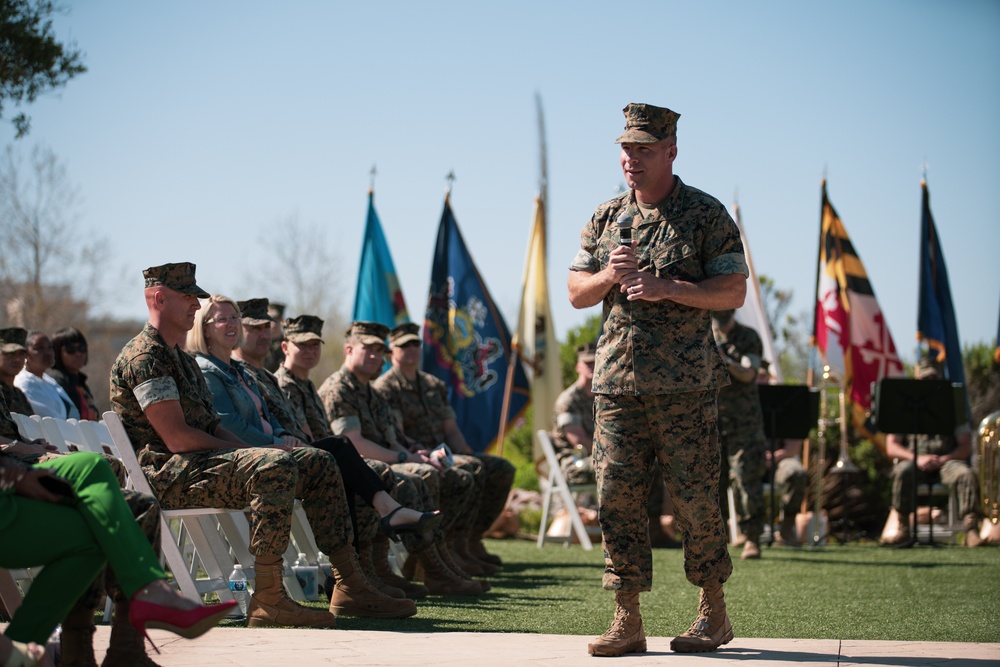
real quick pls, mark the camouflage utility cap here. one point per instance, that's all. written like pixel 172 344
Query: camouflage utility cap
pixel 404 333
pixel 178 277
pixel 254 312
pixel 369 333
pixel 586 353
pixel 303 328
pixel 276 311
pixel 646 124
pixel 13 340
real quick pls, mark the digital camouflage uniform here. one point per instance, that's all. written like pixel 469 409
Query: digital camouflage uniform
pixel 955 475
pixel 265 479
pixel 574 407
pixel 741 430
pixel 656 378
pixel 301 398
pixel 423 408
pixel 16 400
pixel 350 405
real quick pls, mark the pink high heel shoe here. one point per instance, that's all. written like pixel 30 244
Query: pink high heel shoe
pixel 188 623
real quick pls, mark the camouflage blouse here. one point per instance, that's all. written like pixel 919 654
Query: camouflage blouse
pixel 147 371
pixel 661 348
pixel 351 405
pixel 422 405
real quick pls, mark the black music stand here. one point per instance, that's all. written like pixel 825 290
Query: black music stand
pixel 790 411
pixel 918 407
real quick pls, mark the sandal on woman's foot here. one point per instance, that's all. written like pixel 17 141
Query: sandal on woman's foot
pixel 427 521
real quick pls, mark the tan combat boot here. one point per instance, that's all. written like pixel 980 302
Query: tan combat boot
pixel 77 638
pixel 710 630
pixel 127 647
pixel 478 549
pixel 971 525
pixel 354 595
pixel 625 634
pixel 380 557
pixel 452 563
pixel 460 550
pixel 270 604
pixel 371 573
pixel 751 549
pixel 438 577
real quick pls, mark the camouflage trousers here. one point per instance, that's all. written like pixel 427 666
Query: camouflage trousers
pixel 680 431
pixel 955 475
pixel 473 466
pixel 499 478
pixel 745 453
pixel 267 481
pixel 451 492
pixel 367 518
pixel 790 483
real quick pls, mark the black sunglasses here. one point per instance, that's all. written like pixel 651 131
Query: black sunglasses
pixel 73 348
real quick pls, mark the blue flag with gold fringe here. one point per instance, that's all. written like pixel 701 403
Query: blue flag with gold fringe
pixel 467 343
pixel 378 297
pixel 936 324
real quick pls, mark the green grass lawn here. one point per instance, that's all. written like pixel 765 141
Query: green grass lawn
pixel 835 592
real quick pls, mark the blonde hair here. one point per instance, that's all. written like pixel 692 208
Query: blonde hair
pixel 196 340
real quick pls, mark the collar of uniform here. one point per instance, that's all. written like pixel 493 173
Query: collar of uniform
pixel 352 381
pixel 404 382
pixel 669 208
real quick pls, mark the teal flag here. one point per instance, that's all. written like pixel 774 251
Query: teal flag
pixel 378 297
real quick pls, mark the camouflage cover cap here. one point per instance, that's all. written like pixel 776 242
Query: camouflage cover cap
pixel 927 368
pixel 586 353
pixel 13 339
pixel 404 333
pixel 276 311
pixel 369 333
pixel 178 277
pixel 303 328
pixel 646 124
pixel 254 312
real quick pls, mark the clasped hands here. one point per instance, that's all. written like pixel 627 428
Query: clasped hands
pixel 24 480
pixel 635 284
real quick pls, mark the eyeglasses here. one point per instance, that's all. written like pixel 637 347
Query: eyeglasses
pixel 73 348
pixel 409 344
pixel 223 321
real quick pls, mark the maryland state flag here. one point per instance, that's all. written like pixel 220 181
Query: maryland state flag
pixel 936 324
pixel 378 297
pixel 466 341
pixel 848 326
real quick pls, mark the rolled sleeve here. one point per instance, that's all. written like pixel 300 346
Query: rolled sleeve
pixel 342 425
pixel 156 390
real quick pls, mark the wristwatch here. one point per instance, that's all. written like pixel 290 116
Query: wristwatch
pixel 402 456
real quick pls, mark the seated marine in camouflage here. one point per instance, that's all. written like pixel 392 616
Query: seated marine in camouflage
pixel 355 410
pixel 190 460
pixel 12 356
pixel 427 419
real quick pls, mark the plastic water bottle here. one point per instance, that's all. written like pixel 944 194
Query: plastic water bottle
pixel 308 576
pixel 239 588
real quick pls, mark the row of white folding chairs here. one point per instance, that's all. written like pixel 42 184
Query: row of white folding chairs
pixel 200 540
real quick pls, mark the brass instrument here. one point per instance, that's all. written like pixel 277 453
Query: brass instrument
pixel 818 523
pixel 844 463
pixel 989 467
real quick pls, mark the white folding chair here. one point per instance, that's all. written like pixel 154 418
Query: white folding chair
pixel 557 483
pixel 29 427
pixel 212 531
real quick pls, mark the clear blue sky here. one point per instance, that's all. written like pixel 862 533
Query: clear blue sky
pixel 200 125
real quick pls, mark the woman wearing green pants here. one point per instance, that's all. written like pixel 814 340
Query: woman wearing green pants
pixel 73 530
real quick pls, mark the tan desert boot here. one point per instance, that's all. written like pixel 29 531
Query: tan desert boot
pixel 710 630
pixel 625 634
pixel 371 573
pixel 437 576
pixel 77 637
pixel 380 557
pixel 354 595
pixel 270 604
pixel 971 525
pixel 751 551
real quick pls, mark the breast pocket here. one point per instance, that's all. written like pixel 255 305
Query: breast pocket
pixel 678 260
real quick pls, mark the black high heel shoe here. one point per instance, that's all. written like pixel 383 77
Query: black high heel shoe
pixel 427 521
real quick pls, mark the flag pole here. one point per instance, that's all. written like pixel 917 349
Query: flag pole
pixel 508 387
pixel 810 371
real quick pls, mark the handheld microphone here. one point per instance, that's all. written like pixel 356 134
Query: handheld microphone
pixel 624 229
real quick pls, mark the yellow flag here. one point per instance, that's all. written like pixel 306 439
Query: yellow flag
pixel 536 336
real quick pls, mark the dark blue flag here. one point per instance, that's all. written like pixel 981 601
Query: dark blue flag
pixel 467 342
pixel 936 324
